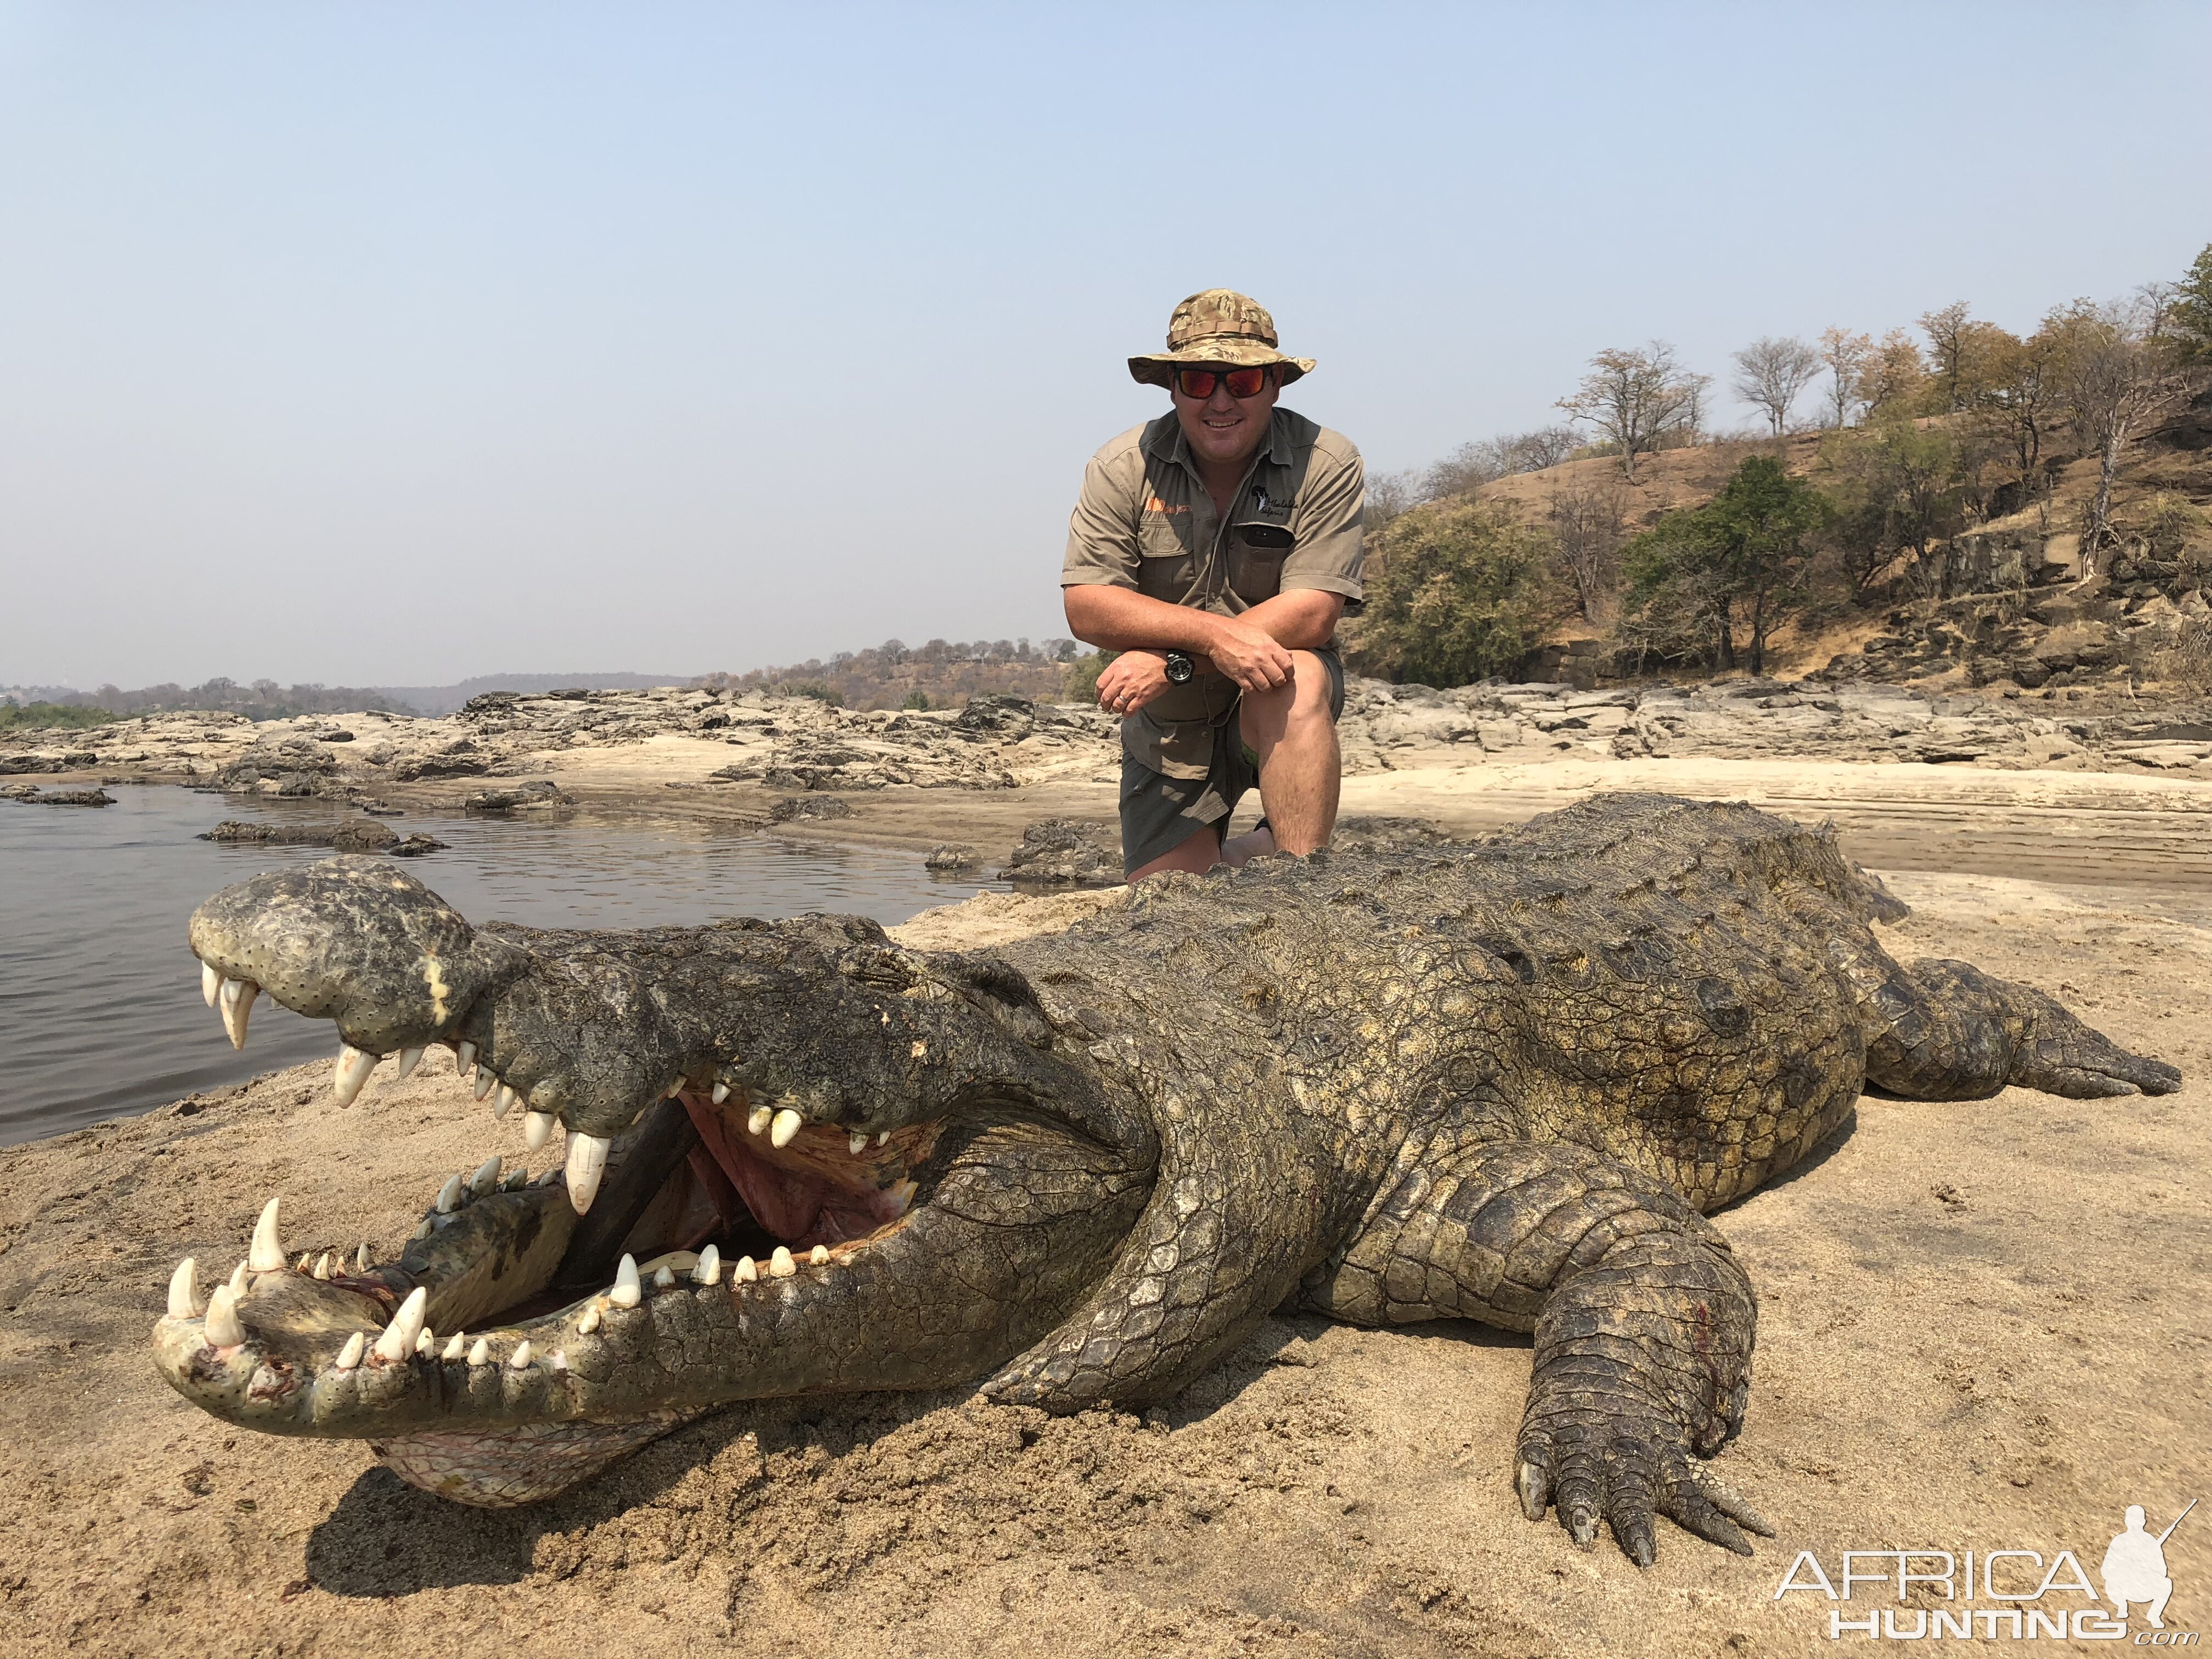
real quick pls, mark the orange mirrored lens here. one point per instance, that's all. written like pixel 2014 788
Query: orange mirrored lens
pixel 1242 382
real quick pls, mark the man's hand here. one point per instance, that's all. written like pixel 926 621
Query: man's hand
pixel 1248 655
pixel 1131 680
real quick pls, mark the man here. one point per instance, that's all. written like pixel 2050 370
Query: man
pixel 1215 548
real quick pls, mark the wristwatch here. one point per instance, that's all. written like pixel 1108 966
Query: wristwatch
pixel 1181 669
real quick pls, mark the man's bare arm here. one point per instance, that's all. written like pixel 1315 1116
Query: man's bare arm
pixel 1253 649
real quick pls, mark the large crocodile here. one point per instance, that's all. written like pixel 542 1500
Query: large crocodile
pixel 1501 1081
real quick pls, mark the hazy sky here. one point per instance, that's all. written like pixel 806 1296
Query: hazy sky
pixel 390 343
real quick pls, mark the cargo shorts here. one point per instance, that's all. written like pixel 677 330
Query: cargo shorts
pixel 1160 813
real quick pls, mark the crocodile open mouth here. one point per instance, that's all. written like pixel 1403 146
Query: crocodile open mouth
pixel 712 1192
pixel 797 1160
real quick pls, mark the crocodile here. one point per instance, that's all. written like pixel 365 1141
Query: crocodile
pixel 1504 1080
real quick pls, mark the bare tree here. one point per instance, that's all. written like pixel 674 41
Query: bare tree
pixel 1586 524
pixel 2116 364
pixel 1772 373
pixel 1846 356
pixel 1631 399
pixel 1470 466
pixel 1690 426
pixel 1390 494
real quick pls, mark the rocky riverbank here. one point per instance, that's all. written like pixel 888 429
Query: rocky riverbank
pixel 794 746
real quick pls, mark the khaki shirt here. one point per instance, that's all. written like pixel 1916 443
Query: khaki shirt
pixel 1146 521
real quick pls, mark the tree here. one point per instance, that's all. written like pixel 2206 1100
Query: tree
pixel 1744 553
pixel 1772 373
pixel 1896 489
pixel 2193 307
pixel 1894 378
pixel 1586 527
pixel 1960 350
pixel 1470 466
pixel 2019 384
pixel 1390 494
pixel 2116 364
pixel 1631 399
pixel 1845 355
pixel 1453 592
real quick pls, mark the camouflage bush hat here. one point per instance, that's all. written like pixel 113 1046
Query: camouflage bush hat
pixel 1217 326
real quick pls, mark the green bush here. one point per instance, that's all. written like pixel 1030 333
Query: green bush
pixel 33 716
pixel 820 690
pixel 1081 683
pixel 916 700
pixel 1455 593
pixel 1742 559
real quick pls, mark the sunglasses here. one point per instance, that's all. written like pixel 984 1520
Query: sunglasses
pixel 1197 383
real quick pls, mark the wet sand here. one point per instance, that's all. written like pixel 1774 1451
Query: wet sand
pixel 1984 1325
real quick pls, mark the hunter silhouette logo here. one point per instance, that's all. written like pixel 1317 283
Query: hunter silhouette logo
pixel 2134 1569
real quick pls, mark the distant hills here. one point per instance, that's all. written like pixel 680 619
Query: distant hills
pixel 444 698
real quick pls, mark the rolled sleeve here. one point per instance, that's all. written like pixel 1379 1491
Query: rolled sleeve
pixel 1102 533
pixel 1329 553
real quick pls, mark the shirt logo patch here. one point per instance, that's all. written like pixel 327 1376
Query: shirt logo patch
pixel 1154 504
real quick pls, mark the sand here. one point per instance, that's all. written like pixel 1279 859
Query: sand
pixel 1982 1326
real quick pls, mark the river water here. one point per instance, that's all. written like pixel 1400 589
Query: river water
pixel 101 1013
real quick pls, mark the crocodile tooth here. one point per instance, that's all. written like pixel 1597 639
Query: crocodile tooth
pixel 502 1100
pixel 588 1162
pixel 423 1231
pixel 677 1087
pixel 709 1270
pixel 360 1260
pixel 590 1322
pixel 663 1277
pixel 780 1266
pixel 520 1359
pixel 453 1348
pixel 236 999
pixel 480 1354
pixel 184 1289
pixel 223 1328
pixel 323 1265
pixel 721 1093
pixel 486 1178
pixel 537 1128
pixel 409 1060
pixel 758 1120
pixel 882 1135
pixel 788 1124
pixel 517 1179
pixel 266 1254
pixel 449 1195
pixel 747 1272
pixel 349 1355
pixel 238 1281
pixel 487 1080
pixel 398 1339
pixel 305 1258
pixel 425 1342
pixel 210 983
pixel 627 1291
pixel 464 1057
pixel 353 1069
pixel 819 1255
pixel 856 1143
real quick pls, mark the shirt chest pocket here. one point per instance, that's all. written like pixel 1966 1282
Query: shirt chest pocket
pixel 1256 552
pixel 1165 566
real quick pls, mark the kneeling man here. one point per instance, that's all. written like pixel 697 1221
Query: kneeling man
pixel 1215 548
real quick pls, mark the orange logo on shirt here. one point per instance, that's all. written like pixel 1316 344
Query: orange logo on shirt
pixel 1154 504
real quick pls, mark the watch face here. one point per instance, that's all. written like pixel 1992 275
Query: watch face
pixel 1180 668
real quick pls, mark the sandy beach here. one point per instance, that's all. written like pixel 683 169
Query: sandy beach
pixel 1983 1327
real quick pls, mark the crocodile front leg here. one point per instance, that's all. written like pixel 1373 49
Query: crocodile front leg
pixel 1644 1325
